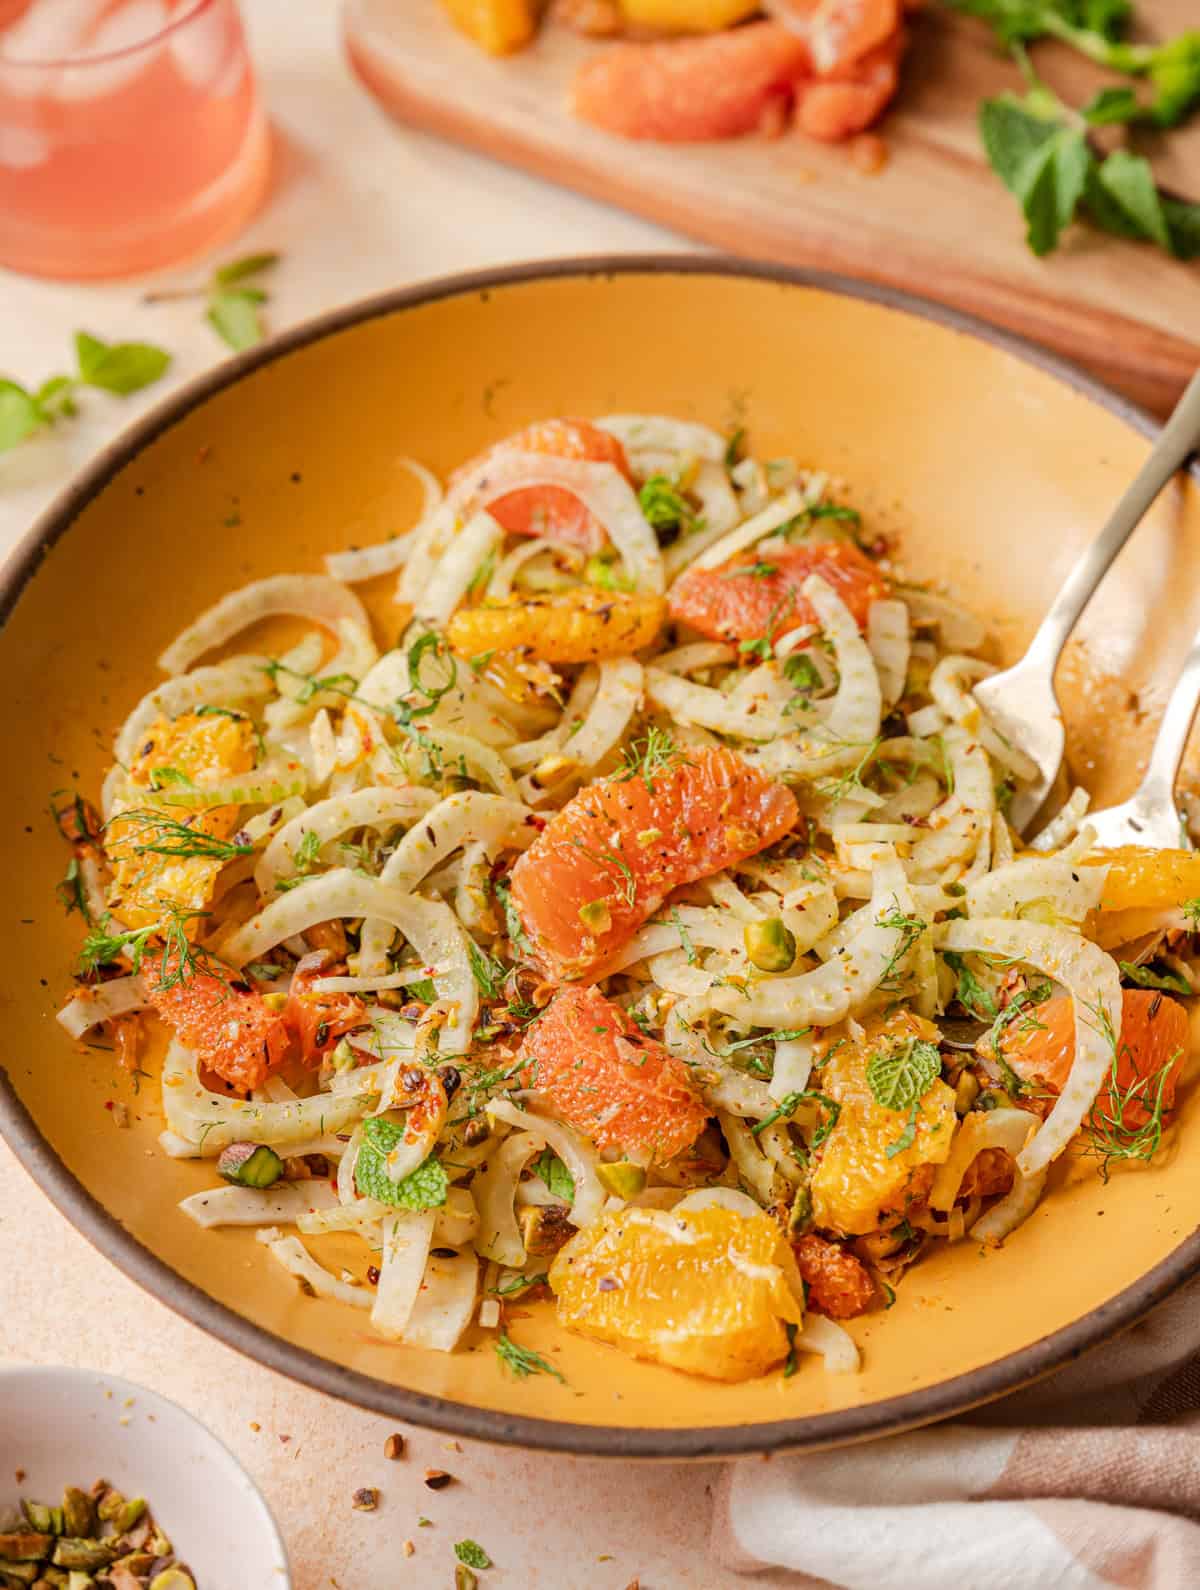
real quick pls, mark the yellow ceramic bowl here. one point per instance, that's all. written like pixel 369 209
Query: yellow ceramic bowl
pixel 991 463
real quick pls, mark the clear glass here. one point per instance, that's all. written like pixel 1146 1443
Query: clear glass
pixel 131 133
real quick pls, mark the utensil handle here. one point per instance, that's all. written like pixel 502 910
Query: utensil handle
pixel 1180 436
pixel 1157 789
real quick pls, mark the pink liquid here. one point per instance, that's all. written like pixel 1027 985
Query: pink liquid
pixel 125 158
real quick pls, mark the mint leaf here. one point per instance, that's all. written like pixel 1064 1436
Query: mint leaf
pixel 1049 185
pixel 1112 105
pixel 238 269
pixel 907 1136
pixel 1144 977
pixel 1129 182
pixel 550 1169
pixel 55 397
pixel 1175 76
pixel 1183 224
pixel 234 317
pixel 20 414
pixel 423 1188
pixel 900 1077
pixel 1011 134
pixel 89 352
pixel 120 367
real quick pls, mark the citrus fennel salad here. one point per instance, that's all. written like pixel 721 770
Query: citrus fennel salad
pixel 642 931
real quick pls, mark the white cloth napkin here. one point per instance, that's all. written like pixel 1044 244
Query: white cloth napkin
pixel 1086 1480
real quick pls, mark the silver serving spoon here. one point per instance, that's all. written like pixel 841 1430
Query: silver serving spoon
pixel 1021 701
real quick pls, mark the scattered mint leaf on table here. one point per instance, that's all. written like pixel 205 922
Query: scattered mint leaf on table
pixel 117 367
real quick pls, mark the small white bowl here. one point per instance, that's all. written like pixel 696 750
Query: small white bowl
pixel 75 1426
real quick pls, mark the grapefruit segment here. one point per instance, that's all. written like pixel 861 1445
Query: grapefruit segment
pixel 851 97
pixel 609 858
pixel 552 511
pixel 729 605
pixel 689 90
pixel 317 1021
pixel 608 1080
pixel 220 1018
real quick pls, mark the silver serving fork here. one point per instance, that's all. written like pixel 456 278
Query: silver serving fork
pixel 1149 817
pixel 1021 701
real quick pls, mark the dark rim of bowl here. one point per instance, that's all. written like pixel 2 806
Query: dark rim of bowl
pixel 106 1233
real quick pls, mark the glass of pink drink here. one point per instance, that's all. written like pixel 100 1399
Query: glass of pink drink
pixel 131 133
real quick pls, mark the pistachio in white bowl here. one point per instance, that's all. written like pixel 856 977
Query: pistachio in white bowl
pixel 66 1428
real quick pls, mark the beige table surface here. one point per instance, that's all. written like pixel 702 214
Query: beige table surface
pixel 359 207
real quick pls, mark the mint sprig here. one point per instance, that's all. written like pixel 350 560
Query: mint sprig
pixel 234 299
pixel 423 1188
pixel 120 368
pixel 1041 153
pixel 1096 29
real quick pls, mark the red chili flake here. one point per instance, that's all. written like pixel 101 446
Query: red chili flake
pixel 373 1274
pixel 609 1283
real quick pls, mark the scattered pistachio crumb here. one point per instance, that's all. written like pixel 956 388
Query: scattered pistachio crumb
pixel 408 1548
pixel 464 1579
pixel 437 1479
pixel 393 1447
pixel 366 1499
pixel 424 1523
pixel 255 1426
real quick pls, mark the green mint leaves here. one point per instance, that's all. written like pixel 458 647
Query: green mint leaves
pixel 1050 167
pixel 235 299
pixel 1039 147
pixel 900 1077
pixel 118 367
pixel 551 1170
pixel 1096 29
pixel 424 1188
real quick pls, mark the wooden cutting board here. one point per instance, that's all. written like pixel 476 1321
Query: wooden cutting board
pixel 934 221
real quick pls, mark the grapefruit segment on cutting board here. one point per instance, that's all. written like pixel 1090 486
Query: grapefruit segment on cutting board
pixel 934 220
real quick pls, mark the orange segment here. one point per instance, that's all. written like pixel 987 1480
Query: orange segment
pixel 220 1018
pixel 727 605
pixel 1154 879
pixel 702 1290
pixel 604 1077
pixel 553 511
pixel 618 848
pixel 855 1180
pixel 1154 1035
pixel 577 627
pixel 147 884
